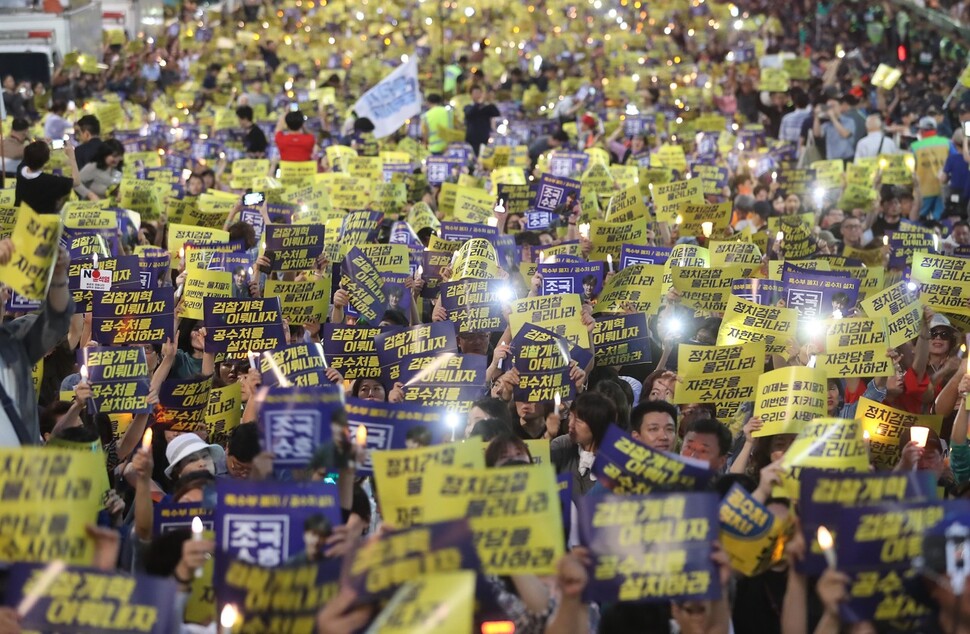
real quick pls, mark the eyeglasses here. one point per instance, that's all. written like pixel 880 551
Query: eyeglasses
pixel 940 334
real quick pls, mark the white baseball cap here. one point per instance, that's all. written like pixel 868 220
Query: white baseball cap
pixel 185 445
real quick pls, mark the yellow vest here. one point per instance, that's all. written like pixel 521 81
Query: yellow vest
pixel 436 118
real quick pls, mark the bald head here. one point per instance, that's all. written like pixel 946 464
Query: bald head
pixel 873 123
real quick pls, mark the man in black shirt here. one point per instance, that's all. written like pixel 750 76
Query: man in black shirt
pixel 254 140
pixel 43 192
pixel 890 213
pixel 478 119
pixel 89 133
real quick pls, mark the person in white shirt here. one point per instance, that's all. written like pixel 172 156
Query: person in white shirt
pixel 56 126
pixel 876 141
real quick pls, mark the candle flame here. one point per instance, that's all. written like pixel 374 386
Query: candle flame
pixel 228 616
pixel 361 436
pixel 824 538
pixel 146 440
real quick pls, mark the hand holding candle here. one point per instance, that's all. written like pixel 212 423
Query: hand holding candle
pixel 146 440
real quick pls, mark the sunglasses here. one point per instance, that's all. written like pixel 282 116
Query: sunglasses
pixel 941 334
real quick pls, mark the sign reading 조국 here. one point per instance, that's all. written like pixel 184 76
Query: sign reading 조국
pixel 296 421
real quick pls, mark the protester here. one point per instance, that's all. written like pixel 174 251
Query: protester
pixel 14 143
pixel 103 173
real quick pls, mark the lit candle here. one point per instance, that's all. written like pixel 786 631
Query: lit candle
pixel 678 220
pixel 182 255
pixel 779 236
pixel 584 230
pixel 227 619
pixel 501 362
pixel 885 241
pixel 253 360
pixel 811 361
pixel 557 403
pixel 94 260
pixel 250 272
pixel 609 261
pixel 452 421
pixel 707 228
pixel 84 373
pixel 40 586
pixel 542 256
pixel 280 377
pixel 919 435
pixel 197 529
pixel 826 543
pixel 146 440
pixel 418 272
pixel 963 350
pixel 936 242
pixel 361 436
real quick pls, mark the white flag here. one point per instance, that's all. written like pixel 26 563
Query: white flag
pixel 396 98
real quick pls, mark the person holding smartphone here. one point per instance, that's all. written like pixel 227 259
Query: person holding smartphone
pixel 44 192
pixel 292 140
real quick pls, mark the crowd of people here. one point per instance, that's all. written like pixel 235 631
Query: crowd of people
pixel 686 260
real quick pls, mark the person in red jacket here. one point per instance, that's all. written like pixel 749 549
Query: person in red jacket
pixel 293 142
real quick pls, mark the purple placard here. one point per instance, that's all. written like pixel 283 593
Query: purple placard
pixel 586 280
pixel 295 422
pixel 672 546
pixel 631 254
pixel 133 317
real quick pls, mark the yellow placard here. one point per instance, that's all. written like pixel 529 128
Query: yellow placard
pixel 746 321
pixel 832 444
pixel 394 469
pixel 440 602
pixel 943 282
pixel 900 308
pixel 886 425
pixel 45 487
pixel 789 398
pixel 201 283
pixel 498 503
pixel 670 198
pixel 638 286
pixel 557 313
pixel 35 238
